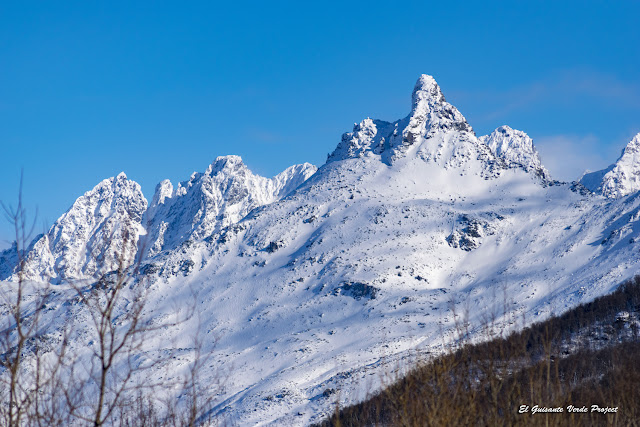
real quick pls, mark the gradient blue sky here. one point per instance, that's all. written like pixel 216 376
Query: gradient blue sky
pixel 159 89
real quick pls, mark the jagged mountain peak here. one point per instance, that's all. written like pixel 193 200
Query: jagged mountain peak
pixel 434 132
pixel 365 138
pixel 506 129
pixel 619 179
pixel 428 102
pixel 108 220
pixel 430 113
pixel 516 148
pixel 226 192
pixel 116 189
pixel 84 241
pixel 634 144
pixel 116 184
pixel 426 90
pixel 230 167
pixel 229 162
pixel 164 190
pixel 624 177
pixel 631 152
pixel 292 175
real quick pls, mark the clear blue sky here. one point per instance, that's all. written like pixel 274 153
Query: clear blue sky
pixel 159 89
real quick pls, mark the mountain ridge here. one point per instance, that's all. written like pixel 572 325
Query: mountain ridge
pixel 114 217
pixel 368 260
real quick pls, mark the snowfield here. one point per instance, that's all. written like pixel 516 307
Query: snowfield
pixel 315 286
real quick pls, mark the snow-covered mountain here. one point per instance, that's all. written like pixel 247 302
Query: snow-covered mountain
pixel 619 179
pixel 434 131
pixel 111 225
pixel 324 286
pixel 96 235
pixel 516 148
pixel 225 193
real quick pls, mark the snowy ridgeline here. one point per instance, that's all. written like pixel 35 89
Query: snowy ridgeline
pixel 113 222
pixel 320 280
pixel 113 218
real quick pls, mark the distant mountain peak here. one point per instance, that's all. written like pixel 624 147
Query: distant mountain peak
pixel 229 162
pixel 164 190
pixel 431 112
pixel 516 149
pixel 624 177
pixel 222 195
pixel 112 221
pixel 619 179
pixel 365 138
pixel 634 144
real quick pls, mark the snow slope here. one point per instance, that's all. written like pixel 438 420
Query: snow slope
pixel 362 268
pixel 358 268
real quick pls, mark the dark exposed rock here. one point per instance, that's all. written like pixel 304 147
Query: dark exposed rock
pixel 357 290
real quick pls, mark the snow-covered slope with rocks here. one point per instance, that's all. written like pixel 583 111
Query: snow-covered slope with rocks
pixel 516 148
pixel 318 295
pixel 332 286
pixel 619 179
pixel 225 193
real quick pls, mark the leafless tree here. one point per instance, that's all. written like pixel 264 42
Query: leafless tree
pixel 113 378
pixel 21 305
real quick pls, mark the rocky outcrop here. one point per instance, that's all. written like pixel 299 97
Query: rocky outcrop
pixel 516 149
